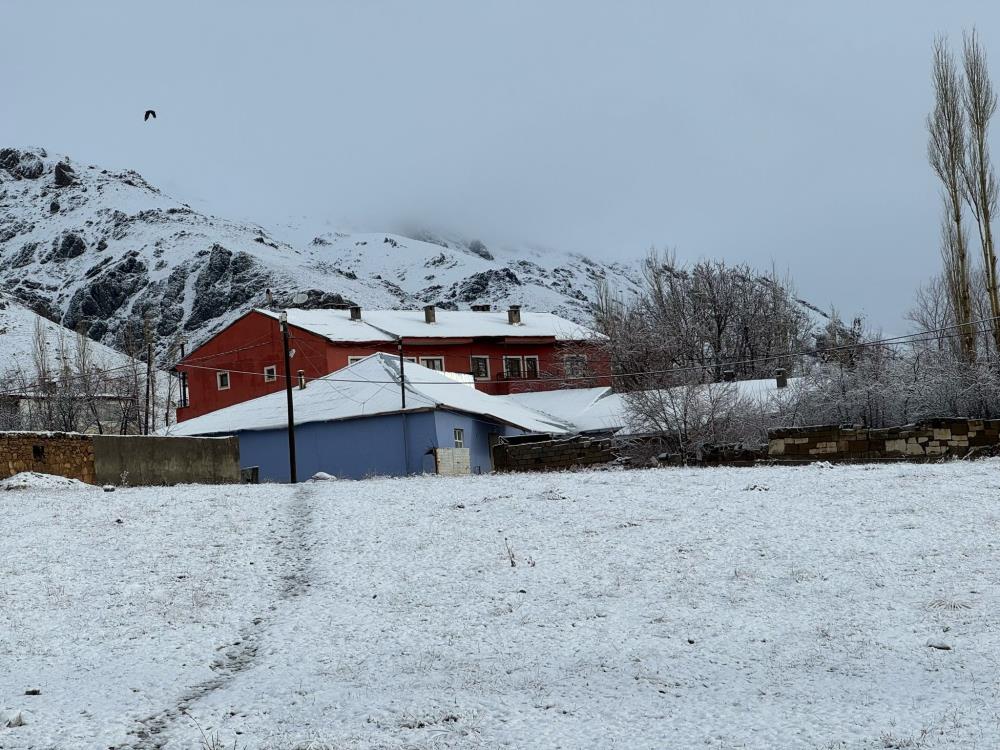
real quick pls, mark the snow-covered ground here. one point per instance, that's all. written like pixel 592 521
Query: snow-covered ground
pixel 720 608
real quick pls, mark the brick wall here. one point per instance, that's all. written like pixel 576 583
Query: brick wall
pixel 60 453
pixel 553 455
pixel 922 441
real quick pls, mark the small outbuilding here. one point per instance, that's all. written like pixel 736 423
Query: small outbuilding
pixel 368 419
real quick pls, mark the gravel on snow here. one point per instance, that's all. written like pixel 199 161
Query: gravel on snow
pixel 845 607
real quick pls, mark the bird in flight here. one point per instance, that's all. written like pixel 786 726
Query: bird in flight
pixel 149 113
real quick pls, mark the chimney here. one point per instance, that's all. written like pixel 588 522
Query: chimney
pixel 780 378
pixel 355 312
pixel 480 308
pixel 514 315
pixel 729 375
pixel 430 315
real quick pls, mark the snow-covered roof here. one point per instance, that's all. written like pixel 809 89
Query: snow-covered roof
pixel 587 409
pixel 387 325
pixel 367 388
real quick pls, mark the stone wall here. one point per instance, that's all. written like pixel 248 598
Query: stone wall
pixel 917 442
pixel 553 455
pixel 60 453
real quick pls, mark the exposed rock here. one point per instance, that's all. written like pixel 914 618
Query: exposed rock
pixel 226 282
pixel 478 285
pixel 479 249
pixel 25 256
pixel 97 302
pixel 70 245
pixel 64 175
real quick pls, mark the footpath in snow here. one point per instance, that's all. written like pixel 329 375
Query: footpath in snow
pixel 807 607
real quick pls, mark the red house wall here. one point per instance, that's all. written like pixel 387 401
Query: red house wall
pixel 253 342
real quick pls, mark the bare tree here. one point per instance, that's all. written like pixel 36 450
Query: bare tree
pixel 698 322
pixel 946 152
pixel 978 177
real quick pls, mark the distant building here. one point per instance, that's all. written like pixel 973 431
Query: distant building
pixel 353 424
pixel 505 352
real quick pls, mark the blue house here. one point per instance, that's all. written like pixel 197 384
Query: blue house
pixel 353 424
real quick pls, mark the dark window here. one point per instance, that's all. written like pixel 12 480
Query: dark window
pixel 512 367
pixel 531 367
pixel 432 363
pixel 480 367
pixel 38 452
pixel 270 373
pixel 576 366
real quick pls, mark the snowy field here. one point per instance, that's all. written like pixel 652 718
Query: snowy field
pixel 811 607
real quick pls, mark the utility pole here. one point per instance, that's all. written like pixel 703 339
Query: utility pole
pixel 402 378
pixel 402 400
pixel 149 373
pixel 292 469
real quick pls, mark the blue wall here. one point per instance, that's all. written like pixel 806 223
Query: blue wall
pixel 477 436
pixel 354 449
pixel 370 446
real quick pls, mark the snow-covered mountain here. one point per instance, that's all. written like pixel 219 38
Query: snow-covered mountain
pixel 24 333
pixel 85 245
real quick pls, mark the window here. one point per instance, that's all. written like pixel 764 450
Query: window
pixel 38 451
pixel 222 380
pixel 459 437
pixel 480 367
pixel 302 379
pixel 433 363
pixel 354 360
pixel 270 373
pixel 575 365
pixel 410 359
pixel 512 367
pixel 531 367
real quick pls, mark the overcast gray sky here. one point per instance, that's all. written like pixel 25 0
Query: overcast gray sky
pixel 784 132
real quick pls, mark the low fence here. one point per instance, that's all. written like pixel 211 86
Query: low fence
pixel 541 453
pixel 923 441
pixel 121 459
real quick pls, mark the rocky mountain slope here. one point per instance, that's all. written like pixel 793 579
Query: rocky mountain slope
pixel 99 250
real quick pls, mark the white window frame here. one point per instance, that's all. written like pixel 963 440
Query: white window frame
pixel 411 360
pixel 354 360
pixel 472 369
pixel 459 435
pixel 537 373
pixel 271 374
pixel 520 367
pixel 219 377
pixel 425 360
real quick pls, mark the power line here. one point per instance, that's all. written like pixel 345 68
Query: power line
pixel 902 340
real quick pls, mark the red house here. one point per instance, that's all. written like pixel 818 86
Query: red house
pixel 506 352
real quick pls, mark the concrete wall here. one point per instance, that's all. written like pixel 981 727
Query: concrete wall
pixel 59 453
pixel 922 441
pixel 149 460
